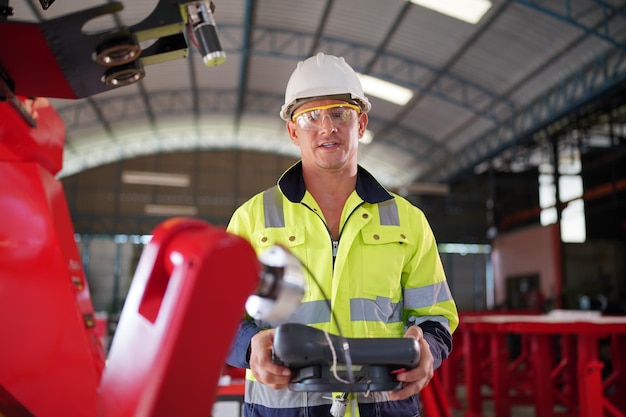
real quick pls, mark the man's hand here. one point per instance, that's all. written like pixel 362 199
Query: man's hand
pixel 261 364
pixel 414 380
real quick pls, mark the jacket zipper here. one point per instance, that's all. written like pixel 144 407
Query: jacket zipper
pixel 335 243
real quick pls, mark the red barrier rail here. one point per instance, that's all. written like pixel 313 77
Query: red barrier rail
pixel 558 368
pixel 453 368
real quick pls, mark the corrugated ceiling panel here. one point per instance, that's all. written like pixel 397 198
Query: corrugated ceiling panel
pixel 558 70
pixel 431 37
pixel 301 16
pixel 435 118
pixel 364 24
pixel 520 41
pixel 221 77
pixel 468 130
pixel 270 74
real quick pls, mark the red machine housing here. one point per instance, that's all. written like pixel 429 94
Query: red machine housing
pixel 50 358
pixel 187 297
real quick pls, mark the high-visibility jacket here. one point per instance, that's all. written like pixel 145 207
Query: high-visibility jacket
pixel 383 274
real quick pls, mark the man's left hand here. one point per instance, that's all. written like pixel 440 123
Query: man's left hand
pixel 414 380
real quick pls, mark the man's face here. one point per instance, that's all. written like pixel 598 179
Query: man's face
pixel 327 132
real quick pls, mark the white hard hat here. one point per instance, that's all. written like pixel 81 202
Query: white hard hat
pixel 323 76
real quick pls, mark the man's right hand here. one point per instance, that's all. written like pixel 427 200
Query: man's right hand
pixel 263 368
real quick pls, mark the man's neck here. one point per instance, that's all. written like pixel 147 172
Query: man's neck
pixel 330 187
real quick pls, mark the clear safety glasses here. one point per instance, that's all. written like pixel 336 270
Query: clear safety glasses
pixel 340 114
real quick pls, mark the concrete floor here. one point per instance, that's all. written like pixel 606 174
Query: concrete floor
pixel 488 410
pixel 518 411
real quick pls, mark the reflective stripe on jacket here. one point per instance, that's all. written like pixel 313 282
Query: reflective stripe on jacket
pixel 382 274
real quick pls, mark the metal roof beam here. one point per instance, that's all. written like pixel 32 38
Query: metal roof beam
pixel 445 69
pixel 124 108
pixel 611 16
pixel 393 28
pixel 193 80
pixel 98 112
pixel 177 102
pixel 395 68
pixel 245 59
pixel 574 92
pixel 320 26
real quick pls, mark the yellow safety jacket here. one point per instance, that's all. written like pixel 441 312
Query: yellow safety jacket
pixel 383 274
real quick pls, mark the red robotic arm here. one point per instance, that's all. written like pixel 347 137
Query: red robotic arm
pixel 186 299
pixel 182 310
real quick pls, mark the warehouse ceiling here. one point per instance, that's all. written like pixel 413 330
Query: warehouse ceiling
pixel 478 89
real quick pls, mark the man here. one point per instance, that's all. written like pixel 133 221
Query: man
pixel 370 252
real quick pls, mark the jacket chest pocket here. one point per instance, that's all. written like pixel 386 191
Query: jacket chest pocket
pixel 290 237
pixel 385 251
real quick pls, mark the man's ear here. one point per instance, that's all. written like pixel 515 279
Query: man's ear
pixel 291 129
pixel 363 119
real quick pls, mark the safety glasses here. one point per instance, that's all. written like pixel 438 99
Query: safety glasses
pixel 341 114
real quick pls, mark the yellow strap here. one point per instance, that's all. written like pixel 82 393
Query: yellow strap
pixel 352 405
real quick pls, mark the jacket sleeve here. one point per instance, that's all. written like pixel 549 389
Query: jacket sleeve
pixel 239 356
pixel 428 300
pixel 439 340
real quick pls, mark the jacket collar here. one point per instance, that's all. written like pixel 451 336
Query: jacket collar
pixel 291 184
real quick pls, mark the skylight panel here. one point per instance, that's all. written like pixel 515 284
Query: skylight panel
pixel 470 11
pixel 385 90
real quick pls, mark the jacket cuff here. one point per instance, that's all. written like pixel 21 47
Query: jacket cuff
pixel 239 356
